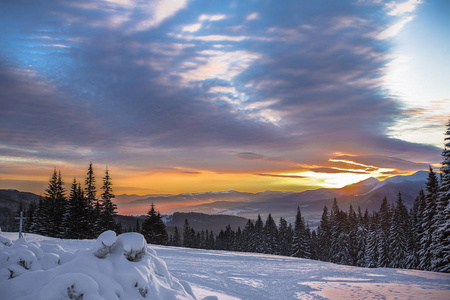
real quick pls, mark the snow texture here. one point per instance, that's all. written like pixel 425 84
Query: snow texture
pixel 109 268
pixel 47 268
pixel 250 276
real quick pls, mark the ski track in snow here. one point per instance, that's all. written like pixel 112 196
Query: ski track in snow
pixel 260 276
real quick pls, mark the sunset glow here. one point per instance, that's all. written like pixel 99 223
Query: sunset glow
pixel 198 96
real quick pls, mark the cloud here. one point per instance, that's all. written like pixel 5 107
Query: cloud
pixel 394 29
pixel 192 28
pixel 252 16
pixel 158 11
pixel 212 18
pixel 184 84
pixel 397 8
pixel 250 156
pixel 383 162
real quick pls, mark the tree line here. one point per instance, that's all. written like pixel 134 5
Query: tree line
pixel 79 215
pixel 391 237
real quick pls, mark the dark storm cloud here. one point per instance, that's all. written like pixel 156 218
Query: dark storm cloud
pixel 297 78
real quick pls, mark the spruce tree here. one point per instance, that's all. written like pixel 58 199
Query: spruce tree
pixel 314 246
pixel 271 236
pixel 399 234
pixel 259 235
pixel 371 255
pixel 176 241
pixel 432 190
pixel 75 219
pixel 339 249
pixel 361 238
pixel 383 234
pixel 108 208
pixel 40 222
pixel 417 231
pixel 352 231
pixel 154 229
pixel 248 235
pixel 51 209
pixel 92 208
pixel 187 239
pixel 238 242
pixel 300 242
pixel 285 238
pixel 324 236
pixel 440 244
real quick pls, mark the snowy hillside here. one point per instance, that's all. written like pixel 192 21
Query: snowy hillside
pixel 108 268
pixel 65 269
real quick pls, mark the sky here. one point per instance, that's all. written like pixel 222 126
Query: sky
pixel 177 96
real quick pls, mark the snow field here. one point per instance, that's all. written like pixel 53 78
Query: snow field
pixel 48 268
pixel 110 268
pixel 251 276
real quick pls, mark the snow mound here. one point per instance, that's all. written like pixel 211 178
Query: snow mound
pixel 115 267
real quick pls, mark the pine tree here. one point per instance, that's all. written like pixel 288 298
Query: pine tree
pixel 248 235
pixel 352 231
pixel 371 255
pixel 314 246
pixel 324 236
pixel 300 242
pixel 176 241
pixel 285 238
pixel 108 208
pixel 90 189
pixel 440 244
pixel 259 235
pixel 383 235
pixel 339 248
pixel 211 241
pixel 416 233
pixel 40 222
pixel 51 209
pixel 75 219
pixel 187 239
pixel 427 222
pixel 271 236
pixel 91 202
pixel 238 242
pixel 154 229
pixel 399 233
pixel 361 238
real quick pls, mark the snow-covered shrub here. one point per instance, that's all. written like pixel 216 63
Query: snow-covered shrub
pixel 4 241
pixel 110 268
pixel 133 245
pixel 104 243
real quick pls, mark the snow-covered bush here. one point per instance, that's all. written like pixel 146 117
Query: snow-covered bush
pixel 112 267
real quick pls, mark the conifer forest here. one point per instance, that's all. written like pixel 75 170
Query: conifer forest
pixel 393 236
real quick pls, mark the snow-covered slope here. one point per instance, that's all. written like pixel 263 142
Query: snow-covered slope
pixel 253 276
pixel 109 268
pixel 211 274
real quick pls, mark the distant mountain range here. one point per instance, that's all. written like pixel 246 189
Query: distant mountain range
pixel 366 194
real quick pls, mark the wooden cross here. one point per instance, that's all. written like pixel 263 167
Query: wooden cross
pixel 21 218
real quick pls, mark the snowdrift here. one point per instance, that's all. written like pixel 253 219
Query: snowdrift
pixel 116 267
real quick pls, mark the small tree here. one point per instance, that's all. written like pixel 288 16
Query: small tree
pixel 300 243
pixel 108 208
pixel 154 229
